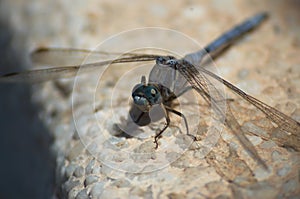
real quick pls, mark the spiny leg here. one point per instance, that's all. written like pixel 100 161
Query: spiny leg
pixel 184 119
pixel 165 127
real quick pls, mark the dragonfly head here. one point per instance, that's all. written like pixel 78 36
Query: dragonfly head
pixel 166 60
pixel 145 95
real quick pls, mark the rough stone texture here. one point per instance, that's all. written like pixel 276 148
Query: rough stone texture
pixel 265 64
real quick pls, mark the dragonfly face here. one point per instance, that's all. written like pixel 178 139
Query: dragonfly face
pixel 146 95
pixel 148 100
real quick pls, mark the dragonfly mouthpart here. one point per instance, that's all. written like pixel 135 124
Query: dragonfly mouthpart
pixel 142 103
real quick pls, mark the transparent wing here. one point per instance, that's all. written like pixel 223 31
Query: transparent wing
pixel 71 56
pixel 284 122
pixel 197 77
pixel 67 71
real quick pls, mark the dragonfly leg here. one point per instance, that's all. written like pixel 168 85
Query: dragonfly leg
pixel 184 119
pixel 157 136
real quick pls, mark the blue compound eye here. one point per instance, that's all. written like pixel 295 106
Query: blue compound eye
pixel 146 95
pixel 152 94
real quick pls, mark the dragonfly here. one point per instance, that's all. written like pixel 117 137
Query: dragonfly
pixel 163 87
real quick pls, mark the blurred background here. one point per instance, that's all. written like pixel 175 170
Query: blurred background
pixel 27 165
